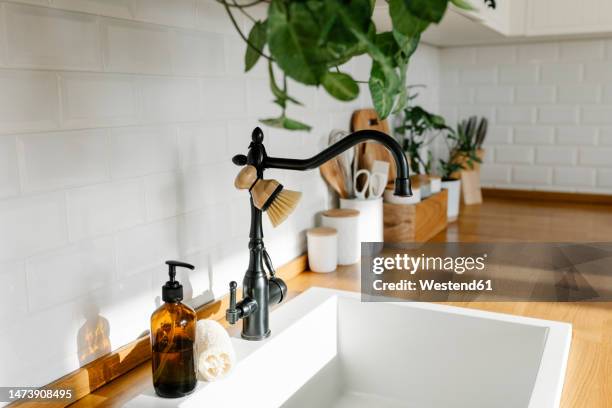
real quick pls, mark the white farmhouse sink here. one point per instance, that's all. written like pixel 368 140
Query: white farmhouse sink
pixel 328 349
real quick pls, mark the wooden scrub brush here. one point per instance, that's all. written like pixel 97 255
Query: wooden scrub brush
pixel 268 195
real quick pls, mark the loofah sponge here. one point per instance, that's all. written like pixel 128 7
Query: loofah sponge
pixel 214 352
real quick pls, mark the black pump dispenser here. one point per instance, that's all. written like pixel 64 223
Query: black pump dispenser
pixel 172 291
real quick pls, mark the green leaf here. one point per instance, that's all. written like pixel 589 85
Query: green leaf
pixel 463 4
pixel 284 122
pixel 382 97
pixel 293 34
pixel 257 39
pixel 281 96
pixel 387 45
pixel 292 124
pixel 341 86
pixel 427 10
pixel 404 21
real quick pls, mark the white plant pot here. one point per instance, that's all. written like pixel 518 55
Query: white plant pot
pixel 454 194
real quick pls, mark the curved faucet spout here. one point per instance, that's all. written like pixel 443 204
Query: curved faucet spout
pixel 402 181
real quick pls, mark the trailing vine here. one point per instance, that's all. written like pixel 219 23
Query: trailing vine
pixel 309 41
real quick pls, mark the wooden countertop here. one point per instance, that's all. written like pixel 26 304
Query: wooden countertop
pixel 588 382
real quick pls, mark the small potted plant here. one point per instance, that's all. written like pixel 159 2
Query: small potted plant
pixel 464 155
pixel 418 129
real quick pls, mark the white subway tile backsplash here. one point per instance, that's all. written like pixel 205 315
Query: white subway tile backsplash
pixel 538 52
pixel 137 151
pixel 600 72
pixel 148 246
pixel 594 115
pixel 46 38
pixel 590 50
pixel 533 135
pixel 576 135
pixel 499 135
pixel 90 100
pixel 109 8
pixel 495 173
pixel 560 73
pixel 225 97
pixel 9 174
pixel 19 217
pixel 574 176
pixel 592 156
pixel 83 267
pixel 29 101
pixel 136 47
pixel 104 208
pixel 604 178
pixel 13 291
pixel 558 115
pixel 43 163
pixel 478 76
pixel 170 99
pixel 197 53
pixel 515 115
pixel 178 13
pixel 211 16
pixel 456 95
pixel 556 155
pixel 582 93
pixel 494 94
pixel 203 144
pixel 518 74
pixel 605 136
pixel 458 56
pixel 531 175
pixel 514 154
pixel 535 94
pixel 494 55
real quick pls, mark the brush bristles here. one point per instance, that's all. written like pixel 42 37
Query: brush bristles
pixel 283 205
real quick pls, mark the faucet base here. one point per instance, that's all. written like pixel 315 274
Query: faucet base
pixel 255 338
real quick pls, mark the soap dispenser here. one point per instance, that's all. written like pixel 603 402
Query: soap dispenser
pixel 173 331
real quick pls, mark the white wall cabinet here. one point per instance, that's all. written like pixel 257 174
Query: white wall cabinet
pixel 563 17
pixel 517 20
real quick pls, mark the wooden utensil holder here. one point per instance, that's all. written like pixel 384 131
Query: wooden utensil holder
pixel 415 222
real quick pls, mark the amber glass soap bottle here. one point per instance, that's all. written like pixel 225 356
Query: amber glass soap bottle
pixel 173 330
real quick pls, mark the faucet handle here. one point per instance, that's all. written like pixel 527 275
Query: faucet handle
pixel 231 314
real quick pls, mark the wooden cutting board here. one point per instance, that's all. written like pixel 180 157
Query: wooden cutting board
pixel 367 152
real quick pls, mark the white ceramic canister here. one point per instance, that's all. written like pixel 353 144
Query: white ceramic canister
pixel 346 222
pixel 322 249
pixel 391 198
pixel 454 194
pixel 370 218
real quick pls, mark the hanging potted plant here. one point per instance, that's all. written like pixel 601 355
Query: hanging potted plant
pixel 311 41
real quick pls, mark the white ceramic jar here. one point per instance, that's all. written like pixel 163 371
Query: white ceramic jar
pixel 370 218
pixel 346 222
pixel 454 194
pixel 322 245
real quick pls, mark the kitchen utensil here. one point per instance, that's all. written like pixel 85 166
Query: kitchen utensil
pixel 332 173
pixel 368 119
pixel 345 159
pixel 372 187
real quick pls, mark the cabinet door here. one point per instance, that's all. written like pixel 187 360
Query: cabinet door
pixel 558 17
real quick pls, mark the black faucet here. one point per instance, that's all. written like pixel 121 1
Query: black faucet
pixel 259 291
